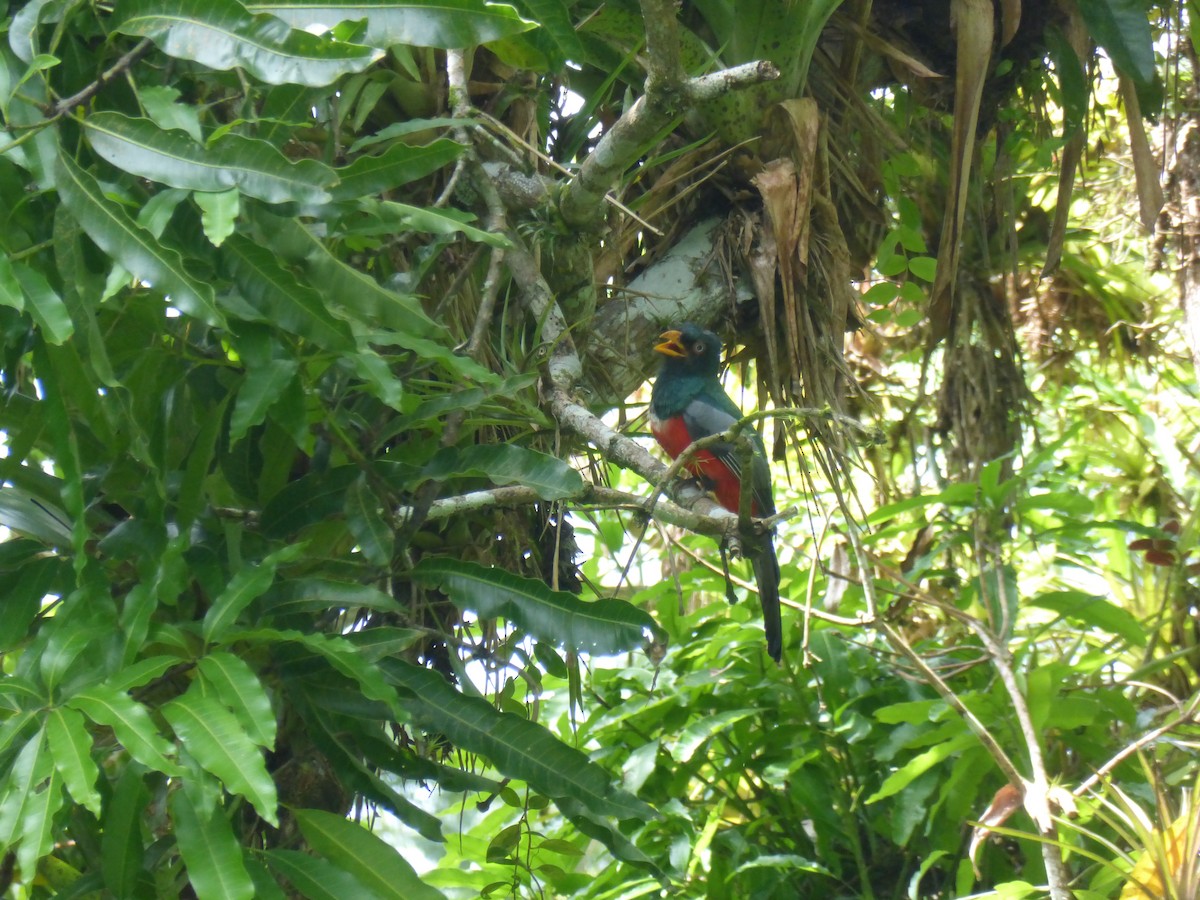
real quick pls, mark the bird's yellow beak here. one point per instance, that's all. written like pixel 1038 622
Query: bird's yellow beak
pixel 671 345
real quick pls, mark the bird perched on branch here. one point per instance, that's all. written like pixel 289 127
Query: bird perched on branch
pixel 687 404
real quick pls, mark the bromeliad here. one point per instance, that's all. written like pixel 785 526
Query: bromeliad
pixel 687 404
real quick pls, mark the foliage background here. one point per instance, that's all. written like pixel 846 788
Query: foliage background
pixel 326 489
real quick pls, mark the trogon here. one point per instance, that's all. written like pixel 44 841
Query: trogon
pixel 688 403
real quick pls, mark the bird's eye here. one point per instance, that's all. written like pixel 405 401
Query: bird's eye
pixel 698 347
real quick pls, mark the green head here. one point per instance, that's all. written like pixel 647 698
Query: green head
pixel 690 351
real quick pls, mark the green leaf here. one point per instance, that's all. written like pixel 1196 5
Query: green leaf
pixel 44 305
pixel 245 586
pixel 692 737
pixel 32 794
pixel 1093 611
pixel 121 844
pixel 1122 28
pixel 131 245
pixel 213 737
pixel 218 213
pixel 239 689
pixel 516 747
pixel 375 537
pixel 447 24
pixel 550 476
pixel 312 594
pixel 924 267
pixel 920 764
pixel 317 879
pixel 339 653
pixel 72 750
pixel 399 164
pixel 277 296
pixel 11 293
pixel 130 722
pixel 261 389
pixel 360 295
pixel 211 853
pixel 160 103
pixel 366 857
pixel 29 516
pixel 222 35
pixel 254 167
pixel 598 626
pixel 389 217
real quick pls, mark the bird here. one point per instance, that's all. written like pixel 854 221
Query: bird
pixel 687 403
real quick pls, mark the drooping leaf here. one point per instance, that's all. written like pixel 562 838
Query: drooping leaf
pixel 596 626
pixel 221 34
pixel 277 296
pixel 420 23
pixel 245 586
pixel 254 167
pixel 132 246
pixel 239 689
pixel 516 747
pixel 130 722
pixel 67 734
pixel 45 305
pixel 367 524
pixel 922 763
pixel 215 739
pixel 368 858
pixel 550 476
pixel 262 388
pixel 121 844
pixel 29 516
pixel 210 851
pixel 399 164
pixel 316 878
pixel 389 217
pixel 218 213
pixel 1122 28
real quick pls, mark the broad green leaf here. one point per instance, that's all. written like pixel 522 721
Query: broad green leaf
pixel 211 853
pixel 315 497
pixel 142 672
pixel 1122 28
pixel 260 390
pixel 339 653
pixel 516 747
pixel 121 844
pixel 37 820
pixel 130 722
pixel 218 213
pixel 44 305
pixel 315 878
pixel 389 217
pixel 1093 611
pixel 221 34
pixel 239 689
pixel 71 747
pixel 700 730
pixel 374 535
pixel 213 737
pixel 162 106
pixel 550 476
pixel 397 165
pixel 18 800
pixel 245 586
pixel 368 858
pixel 24 593
pixel 11 293
pixel 446 24
pixel 132 246
pixel 358 294
pixel 920 764
pixel 254 167
pixel 277 296
pixel 596 626
pixel 312 594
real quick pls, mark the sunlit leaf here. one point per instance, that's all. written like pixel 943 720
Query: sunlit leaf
pixel 210 851
pixel 221 34
pixel 420 23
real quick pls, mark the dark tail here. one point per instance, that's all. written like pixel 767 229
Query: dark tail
pixel 766 573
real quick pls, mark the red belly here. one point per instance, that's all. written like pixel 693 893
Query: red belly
pixel 673 437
